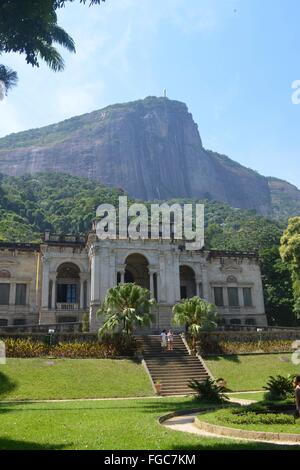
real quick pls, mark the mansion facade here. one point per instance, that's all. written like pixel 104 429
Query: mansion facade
pixel 60 279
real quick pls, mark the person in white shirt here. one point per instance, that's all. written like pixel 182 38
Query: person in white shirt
pixel 163 338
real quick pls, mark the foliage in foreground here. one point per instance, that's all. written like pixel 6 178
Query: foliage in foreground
pixel 210 390
pixel 280 387
pixel 126 307
pixel 107 348
pixel 214 346
pixel 290 253
pixel 196 315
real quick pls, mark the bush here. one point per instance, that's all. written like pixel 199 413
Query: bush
pixel 216 346
pixel 25 348
pixel 112 346
pixel 245 415
pixel 85 323
pixel 209 390
pixel 280 387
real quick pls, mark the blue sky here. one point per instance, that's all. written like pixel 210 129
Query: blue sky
pixel 232 61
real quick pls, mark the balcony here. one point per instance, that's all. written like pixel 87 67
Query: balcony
pixel 67 306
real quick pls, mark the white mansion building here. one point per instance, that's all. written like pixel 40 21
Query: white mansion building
pixel 60 279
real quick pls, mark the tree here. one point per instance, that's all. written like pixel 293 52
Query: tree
pixel 290 254
pixel 125 307
pixel 196 314
pixel 30 27
pixel 278 288
pixel 8 78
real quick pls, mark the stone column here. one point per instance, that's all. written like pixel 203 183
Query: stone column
pixel 12 294
pixel 45 284
pixel 198 282
pixel 158 286
pixel 205 283
pixel 81 302
pixel 151 284
pixel 121 270
pixel 53 300
pixel 240 296
pixel 95 275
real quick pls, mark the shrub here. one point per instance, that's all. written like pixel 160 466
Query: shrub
pixel 209 390
pixel 25 348
pixel 85 323
pixel 112 346
pixel 217 346
pixel 280 387
pixel 245 415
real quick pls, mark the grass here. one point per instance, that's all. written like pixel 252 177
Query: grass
pixel 22 379
pixel 107 425
pixel 257 396
pixel 218 417
pixel 251 371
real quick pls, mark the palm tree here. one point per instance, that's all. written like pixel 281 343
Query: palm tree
pixel 125 307
pixel 196 314
pixel 8 79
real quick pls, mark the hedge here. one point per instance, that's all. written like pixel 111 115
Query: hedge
pixel 28 348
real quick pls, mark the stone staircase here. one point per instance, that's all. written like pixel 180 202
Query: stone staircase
pixel 172 368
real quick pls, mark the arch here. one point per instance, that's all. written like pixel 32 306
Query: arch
pixel 136 270
pixel 68 283
pixel 187 281
pixel 5 274
pixel 68 270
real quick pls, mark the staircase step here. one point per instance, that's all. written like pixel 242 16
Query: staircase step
pixel 174 369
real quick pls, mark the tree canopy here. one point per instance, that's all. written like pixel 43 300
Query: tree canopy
pixel 30 27
pixel 290 254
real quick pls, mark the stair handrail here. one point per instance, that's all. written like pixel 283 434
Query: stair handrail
pixel 182 335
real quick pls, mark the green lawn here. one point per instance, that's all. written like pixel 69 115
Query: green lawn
pixel 108 425
pixel 251 371
pixel 258 396
pixel 72 378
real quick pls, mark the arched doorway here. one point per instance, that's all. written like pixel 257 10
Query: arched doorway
pixel 68 284
pixel 187 282
pixel 136 270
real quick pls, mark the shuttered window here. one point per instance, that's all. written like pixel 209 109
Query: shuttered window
pixel 219 299
pixel 4 294
pixel 233 297
pixel 247 297
pixel 21 294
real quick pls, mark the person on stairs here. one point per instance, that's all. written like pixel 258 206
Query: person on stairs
pixel 170 339
pixel 163 339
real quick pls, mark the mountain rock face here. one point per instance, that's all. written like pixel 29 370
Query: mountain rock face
pixel 151 148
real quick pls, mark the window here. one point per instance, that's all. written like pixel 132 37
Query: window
pixel 201 290
pixel 233 297
pixel 4 294
pixel 219 299
pixel 3 322
pixel 67 319
pixel 247 293
pixel 21 294
pixel 250 321
pixel 235 321
pixel 50 295
pixel 67 293
pixel 19 322
pixel 183 292
pixel 85 294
